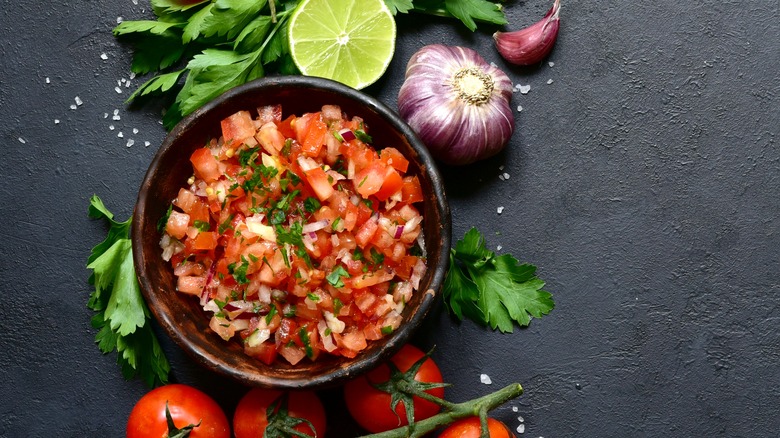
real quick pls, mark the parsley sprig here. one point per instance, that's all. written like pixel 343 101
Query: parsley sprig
pixel 122 318
pixel 198 50
pixel 496 291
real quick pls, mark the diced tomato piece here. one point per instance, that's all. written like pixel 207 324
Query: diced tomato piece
pixel 237 128
pixel 265 352
pixel 370 279
pixel 391 185
pixel 369 180
pixel 366 231
pixel 190 285
pixel 205 165
pixel 393 157
pixel 270 138
pixel 177 224
pixel 315 137
pixel 301 125
pixel 205 240
pixel 319 182
pixel 285 127
pixel 199 211
pixel 411 191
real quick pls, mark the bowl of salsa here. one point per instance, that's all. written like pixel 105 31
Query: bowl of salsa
pixel 292 233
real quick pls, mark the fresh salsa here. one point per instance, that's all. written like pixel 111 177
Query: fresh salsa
pixel 297 236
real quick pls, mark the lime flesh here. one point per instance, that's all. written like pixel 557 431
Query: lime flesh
pixel 349 41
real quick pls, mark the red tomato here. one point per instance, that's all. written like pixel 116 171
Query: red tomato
pixel 469 428
pixel 370 407
pixel 250 419
pixel 205 165
pixel 187 406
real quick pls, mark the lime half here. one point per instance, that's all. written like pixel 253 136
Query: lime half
pixel 349 41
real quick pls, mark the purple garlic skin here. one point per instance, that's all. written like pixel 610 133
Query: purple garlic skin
pixel 530 45
pixel 457 103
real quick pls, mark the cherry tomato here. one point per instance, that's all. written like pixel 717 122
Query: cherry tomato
pixel 469 428
pixel 186 404
pixel 370 407
pixel 250 421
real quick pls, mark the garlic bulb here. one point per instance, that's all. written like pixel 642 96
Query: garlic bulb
pixel 457 103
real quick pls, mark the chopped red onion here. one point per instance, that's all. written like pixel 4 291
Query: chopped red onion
pixel 347 134
pixel 399 231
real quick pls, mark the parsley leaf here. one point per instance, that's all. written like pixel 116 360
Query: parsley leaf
pixel 122 318
pixel 402 6
pixel 496 291
pixel 469 10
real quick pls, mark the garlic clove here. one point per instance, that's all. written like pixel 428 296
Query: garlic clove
pixel 530 45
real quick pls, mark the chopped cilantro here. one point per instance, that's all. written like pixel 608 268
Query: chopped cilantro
pixel 386 330
pixel 270 315
pixel 227 224
pixel 202 225
pixel 311 204
pixel 363 136
pixel 337 305
pixel 285 152
pixel 163 220
pixel 312 297
pixel 357 254
pixel 290 312
pixel 377 257
pixel 304 335
pixel 238 271
pixel 335 276
pixel 335 224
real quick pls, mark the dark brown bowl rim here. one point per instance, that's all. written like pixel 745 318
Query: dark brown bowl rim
pixel 363 362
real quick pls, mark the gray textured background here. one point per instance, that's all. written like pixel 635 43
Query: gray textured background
pixel 643 183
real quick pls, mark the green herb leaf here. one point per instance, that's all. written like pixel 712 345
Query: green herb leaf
pixel 203 226
pixel 363 136
pixel 402 6
pixel 497 291
pixel 253 34
pixel 145 26
pixel 156 85
pixel 469 10
pixel 336 275
pixel 122 318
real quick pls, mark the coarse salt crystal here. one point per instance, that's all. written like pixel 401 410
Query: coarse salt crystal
pixel 146 143
pixel 118 90
pixel 519 108
pixel 118 82
pixel 520 419
pixel 122 81
pixel 506 175
pixel 73 106
pixel 116 111
pixel 78 101
pixel 501 177
pixel 119 20
pixel 484 378
pixel 132 75
pixel 549 81
pixel 103 56
pixel 48 81
pixel 501 167
pixel 135 130
pixel 116 118
pixel 120 135
pixel 524 89
pixel 498 248
pixel 56 121
pixel 22 141
pixel 500 210
pixel 105 115
pixel 130 142
pixel 127 84
pixel 515 409
pixel 521 428
pixel 110 127
pixel 551 64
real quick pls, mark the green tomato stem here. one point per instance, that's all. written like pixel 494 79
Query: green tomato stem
pixel 476 407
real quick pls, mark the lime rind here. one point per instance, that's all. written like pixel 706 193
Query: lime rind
pixel 354 49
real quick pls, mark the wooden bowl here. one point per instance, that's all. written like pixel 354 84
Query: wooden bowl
pixel 182 317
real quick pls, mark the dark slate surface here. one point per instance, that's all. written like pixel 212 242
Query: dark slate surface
pixel 643 183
